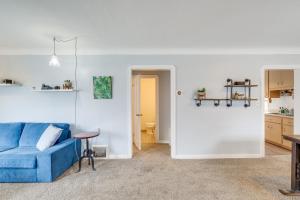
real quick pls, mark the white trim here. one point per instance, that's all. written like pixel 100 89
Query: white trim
pixel 218 156
pixel 163 142
pixel 262 139
pixel 266 67
pixel 170 68
pixel 158 51
pixel 119 156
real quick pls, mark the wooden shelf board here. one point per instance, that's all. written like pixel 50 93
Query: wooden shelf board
pixel 10 85
pixel 53 90
pixel 210 99
pixel 243 99
pixel 240 85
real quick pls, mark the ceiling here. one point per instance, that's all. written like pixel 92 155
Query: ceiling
pixel 156 26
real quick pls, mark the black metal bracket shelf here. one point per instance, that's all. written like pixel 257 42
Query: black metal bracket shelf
pixel 229 94
pixel 216 101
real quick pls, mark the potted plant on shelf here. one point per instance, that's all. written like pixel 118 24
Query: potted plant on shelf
pixel 201 93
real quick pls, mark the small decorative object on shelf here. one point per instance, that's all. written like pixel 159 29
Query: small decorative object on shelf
pixel 68 85
pixel 230 94
pixel 238 96
pixel 46 87
pixel 9 82
pixel 201 94
pixel 239 83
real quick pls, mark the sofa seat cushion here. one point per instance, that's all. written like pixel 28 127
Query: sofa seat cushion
pixel 4 148
pixel 10 134
pixel 21 151
pixel 18 161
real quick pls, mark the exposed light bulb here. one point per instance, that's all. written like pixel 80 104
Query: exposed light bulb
pixel 54 62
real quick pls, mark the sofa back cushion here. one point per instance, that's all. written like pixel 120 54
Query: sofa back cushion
pixel 66 133
pixel 10 134
pixel 33 131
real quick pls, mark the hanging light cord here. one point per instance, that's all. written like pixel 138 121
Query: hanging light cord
pixel 75 73
pixel 76 85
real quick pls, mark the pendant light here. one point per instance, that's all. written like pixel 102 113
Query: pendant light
pixel 54 62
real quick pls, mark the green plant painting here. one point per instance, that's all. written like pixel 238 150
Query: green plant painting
pixel 102 87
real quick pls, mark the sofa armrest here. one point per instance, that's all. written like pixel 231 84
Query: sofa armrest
pixel 52 162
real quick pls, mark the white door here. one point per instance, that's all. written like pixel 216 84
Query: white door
pixel 136 104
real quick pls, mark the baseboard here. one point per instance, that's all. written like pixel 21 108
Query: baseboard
pixel 119 156
pixel 218 156
pixel 163 142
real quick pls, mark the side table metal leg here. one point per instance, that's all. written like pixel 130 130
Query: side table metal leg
pixel 79 163
pixel 93 167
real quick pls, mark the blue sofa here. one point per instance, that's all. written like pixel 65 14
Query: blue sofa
pixel 20 161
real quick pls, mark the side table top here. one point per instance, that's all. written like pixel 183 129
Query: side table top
pixel 85 135
pixel 292 138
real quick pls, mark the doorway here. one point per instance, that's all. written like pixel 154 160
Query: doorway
pixel 145 109
pixel 278 109
pixel 152 128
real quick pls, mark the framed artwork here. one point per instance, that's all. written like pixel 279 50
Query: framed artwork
pixel 102 87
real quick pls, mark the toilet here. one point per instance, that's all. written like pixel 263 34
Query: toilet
pixel 150 126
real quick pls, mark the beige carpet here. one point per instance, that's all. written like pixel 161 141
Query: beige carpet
pixel 153 175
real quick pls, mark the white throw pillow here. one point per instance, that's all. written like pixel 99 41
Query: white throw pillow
pixel 49 137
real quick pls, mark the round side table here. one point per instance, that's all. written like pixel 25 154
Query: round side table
pixel 88 152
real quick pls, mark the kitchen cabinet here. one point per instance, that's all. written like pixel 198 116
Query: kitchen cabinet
pixel 287 130
pixel 274 132
pixel 273 119
pixel 275 127
pixel 274 79
pixel 281 79
pixel 287 77
pixel 267 131
pixel 288 121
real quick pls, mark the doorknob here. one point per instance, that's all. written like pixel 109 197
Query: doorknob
pixel 139 115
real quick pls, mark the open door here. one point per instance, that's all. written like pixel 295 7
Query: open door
pixel 136 105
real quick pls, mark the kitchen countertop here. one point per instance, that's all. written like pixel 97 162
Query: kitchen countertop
pixel 280 115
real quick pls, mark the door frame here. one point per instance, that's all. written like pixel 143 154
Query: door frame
pixel 171 69
pixel 262 75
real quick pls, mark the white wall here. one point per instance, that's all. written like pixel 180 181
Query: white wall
pixel 203 131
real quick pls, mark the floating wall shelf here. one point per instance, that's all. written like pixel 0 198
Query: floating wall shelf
pixel 218 101
pixel 10 85
pixel 229 94
pixel 242 86
pixel 53 90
